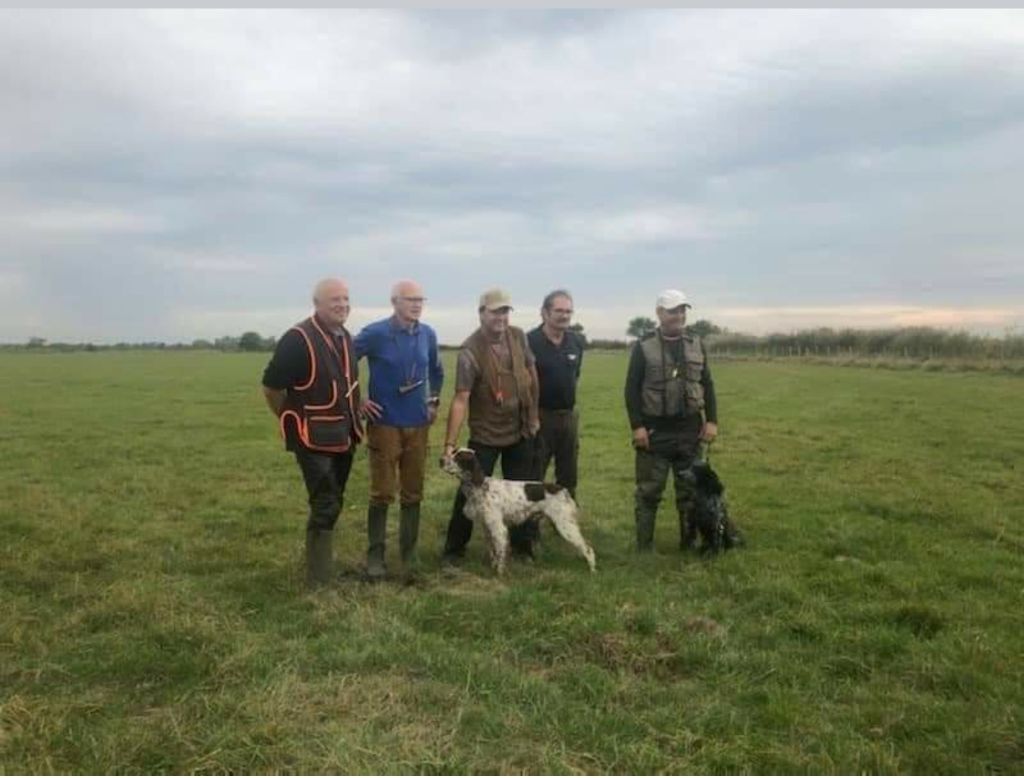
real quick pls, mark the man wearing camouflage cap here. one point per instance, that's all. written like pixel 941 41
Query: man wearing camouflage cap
pixel 670 399
pixel 496 388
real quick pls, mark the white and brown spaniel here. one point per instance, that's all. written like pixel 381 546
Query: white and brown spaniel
pixel 499 504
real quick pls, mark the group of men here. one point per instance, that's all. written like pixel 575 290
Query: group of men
pixel 515 390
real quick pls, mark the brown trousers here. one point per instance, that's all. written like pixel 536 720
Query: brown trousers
pixel 397 449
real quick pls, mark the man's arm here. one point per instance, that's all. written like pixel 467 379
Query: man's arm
pixel 634 395
pixel 456 415
pixel 288 366
pixel 534 409
pixel 710 429
pixel 533 412
pixel 275 399
pixel 436 367
pixel 436 371
pixel 466 373
pixel 361 343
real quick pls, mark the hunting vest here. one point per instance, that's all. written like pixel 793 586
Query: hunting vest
pixel 672 388
pixel 499 402
pixel 321 414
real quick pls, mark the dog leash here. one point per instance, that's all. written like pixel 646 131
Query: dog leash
pixel 704 447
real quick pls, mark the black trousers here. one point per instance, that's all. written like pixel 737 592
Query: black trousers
pixel 559 440
pixel 325 476
pixel 517 464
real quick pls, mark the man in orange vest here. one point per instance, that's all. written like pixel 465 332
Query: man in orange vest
pixel 311 386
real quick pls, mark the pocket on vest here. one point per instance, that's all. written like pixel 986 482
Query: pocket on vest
pixel 694 396
pixel 328 431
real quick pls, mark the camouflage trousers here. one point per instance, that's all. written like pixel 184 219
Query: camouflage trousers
pixel 673 452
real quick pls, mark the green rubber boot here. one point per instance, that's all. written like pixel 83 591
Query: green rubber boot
pixel 644 529
pixel 376 532
pixel 319 557
pixel 408 533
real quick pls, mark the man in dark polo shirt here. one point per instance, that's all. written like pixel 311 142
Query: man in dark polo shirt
pixel 496 388
pixel 311 386
pixel 559 354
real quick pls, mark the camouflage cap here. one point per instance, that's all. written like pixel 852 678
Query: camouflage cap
pixel 494 299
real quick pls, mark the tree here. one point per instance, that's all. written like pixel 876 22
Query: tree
pixel 250 341
pixel 36 342
pixel 226 343
pixel 578 329
pixel 640 326
pixel 703 327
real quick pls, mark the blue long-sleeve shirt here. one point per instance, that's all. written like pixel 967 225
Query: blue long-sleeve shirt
pixel 398 358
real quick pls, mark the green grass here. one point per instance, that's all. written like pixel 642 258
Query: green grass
pixel 153 618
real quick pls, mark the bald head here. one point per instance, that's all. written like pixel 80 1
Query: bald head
pixel 330 300
pixel 407 299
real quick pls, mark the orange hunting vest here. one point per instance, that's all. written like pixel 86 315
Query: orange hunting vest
pixel 322 413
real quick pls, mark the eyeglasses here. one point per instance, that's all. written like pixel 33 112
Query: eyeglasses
pixel 413 299
pixel 562 311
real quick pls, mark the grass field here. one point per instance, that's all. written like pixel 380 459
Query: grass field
pixel 153 618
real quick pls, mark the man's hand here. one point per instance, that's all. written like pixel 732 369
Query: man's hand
pixel 275 399
pixel 371 409
pixel 640 438
pixel 709 431
pixel 446 455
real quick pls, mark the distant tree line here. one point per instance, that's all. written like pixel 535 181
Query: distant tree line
pixel 908 342
pixel 247 341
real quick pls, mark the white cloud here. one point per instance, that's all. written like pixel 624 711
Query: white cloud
pixel 21 219
pixel 211 262
pixel 650 224
pixel 230 158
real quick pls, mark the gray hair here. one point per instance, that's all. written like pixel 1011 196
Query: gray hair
pixel 549 300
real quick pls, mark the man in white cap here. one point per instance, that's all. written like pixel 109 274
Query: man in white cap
pixel 670 399
pixel 496 387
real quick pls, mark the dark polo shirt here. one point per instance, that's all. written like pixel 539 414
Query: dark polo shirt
pixel 558 368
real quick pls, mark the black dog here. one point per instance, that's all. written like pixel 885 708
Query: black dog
pixel 710 516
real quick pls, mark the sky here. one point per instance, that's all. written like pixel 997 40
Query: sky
pixel 181 174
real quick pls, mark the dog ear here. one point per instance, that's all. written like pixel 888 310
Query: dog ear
pixel 478 472
pixel 467 461
pixel 714 483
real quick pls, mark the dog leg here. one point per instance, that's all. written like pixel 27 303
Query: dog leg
pixel 563 517
pixel 498 534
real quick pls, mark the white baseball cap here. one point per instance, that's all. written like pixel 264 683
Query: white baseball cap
pixel 672 298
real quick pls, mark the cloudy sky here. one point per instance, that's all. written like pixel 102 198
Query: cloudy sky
pixel 170 175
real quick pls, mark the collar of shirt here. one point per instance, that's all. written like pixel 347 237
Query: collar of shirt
pixel 568 341
pixel 396 326
pixel 339 334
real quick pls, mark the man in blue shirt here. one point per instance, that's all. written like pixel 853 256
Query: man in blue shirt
pixel 405 387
